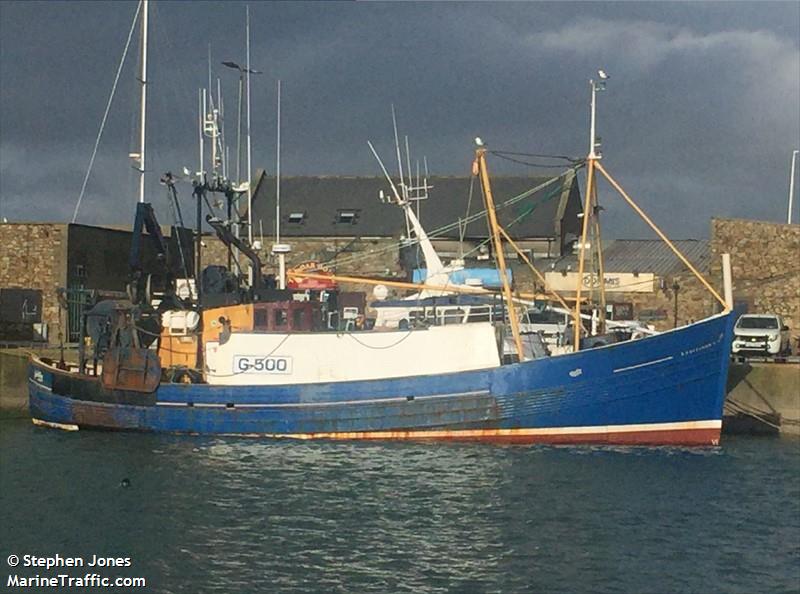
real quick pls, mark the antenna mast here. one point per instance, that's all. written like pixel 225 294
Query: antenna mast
pixel 249 161
pixel 143 106
pixel 221 128
pixel 591 213
pixel 200 120
pixel 403 189
pixel 278 173
pixel 279 248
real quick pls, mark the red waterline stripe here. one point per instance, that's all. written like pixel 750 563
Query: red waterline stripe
pixel 688 433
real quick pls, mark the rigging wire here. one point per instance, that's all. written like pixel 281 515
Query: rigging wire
pixel 105 114
pixel 529 164
pixel 516 220
pixel 379 348
pixel 478 215
pixel 506 156
pixel 463 229
pixel 539 155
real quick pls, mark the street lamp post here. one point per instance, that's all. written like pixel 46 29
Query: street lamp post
pixel 675 288
pixel 242 71
pixel 791 186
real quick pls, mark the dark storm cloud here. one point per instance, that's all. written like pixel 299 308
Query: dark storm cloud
pixel 699 119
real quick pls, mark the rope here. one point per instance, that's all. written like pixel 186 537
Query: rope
pixel 105 114
pixel 750 411
pixel 462 231
pixel 528 163
pixel 383 348
pixel 279 345
pixel 518 219
pixel 539 155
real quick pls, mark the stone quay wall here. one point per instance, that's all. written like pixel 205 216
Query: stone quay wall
pixel 765 261
pixel 34 256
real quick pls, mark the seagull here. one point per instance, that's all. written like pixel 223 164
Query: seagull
pixel 602 74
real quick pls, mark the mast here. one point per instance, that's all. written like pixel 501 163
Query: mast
pixel 198 244
pixel 593 164
pixel 200 120
pixel 281 250
pixel 576 321
pixel 403 190
pixel 791 186
pixel 591 211
pixel 143 101
pixel 221 126
pixel 239 132
pixel 278 172
pixel 480 158
pixel 249 161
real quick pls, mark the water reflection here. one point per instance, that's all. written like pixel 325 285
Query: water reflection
pixel 240 515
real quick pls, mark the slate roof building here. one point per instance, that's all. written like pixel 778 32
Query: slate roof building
pixel 347 206
pixel 335 215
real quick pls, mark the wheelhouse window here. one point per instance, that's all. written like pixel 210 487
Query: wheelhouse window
pixel 261 319
pixel 480 313
pixel 280 318
pixel 297 319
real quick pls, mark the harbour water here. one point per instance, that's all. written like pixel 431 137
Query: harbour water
pixel 200 514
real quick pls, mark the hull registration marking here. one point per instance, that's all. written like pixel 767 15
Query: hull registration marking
pixel 643 364
pixel 261 364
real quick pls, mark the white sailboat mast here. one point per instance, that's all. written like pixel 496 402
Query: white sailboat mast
pixel 282 249
pixel 249 161
pixel 278 172
pixel 143 106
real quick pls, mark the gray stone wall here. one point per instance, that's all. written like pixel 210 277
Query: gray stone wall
pixel 34 256
pixel 765 259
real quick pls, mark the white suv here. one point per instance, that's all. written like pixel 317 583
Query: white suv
pixel 766 334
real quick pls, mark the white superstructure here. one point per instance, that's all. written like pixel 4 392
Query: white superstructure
pixel 272 359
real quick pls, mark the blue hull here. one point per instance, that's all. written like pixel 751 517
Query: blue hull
pixel 668 388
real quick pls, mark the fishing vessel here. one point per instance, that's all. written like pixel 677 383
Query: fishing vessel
pixel 261 362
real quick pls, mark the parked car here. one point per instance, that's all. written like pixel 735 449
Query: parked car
pixel 765 334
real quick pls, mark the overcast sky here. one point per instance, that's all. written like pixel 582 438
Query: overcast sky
pixel 700 117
